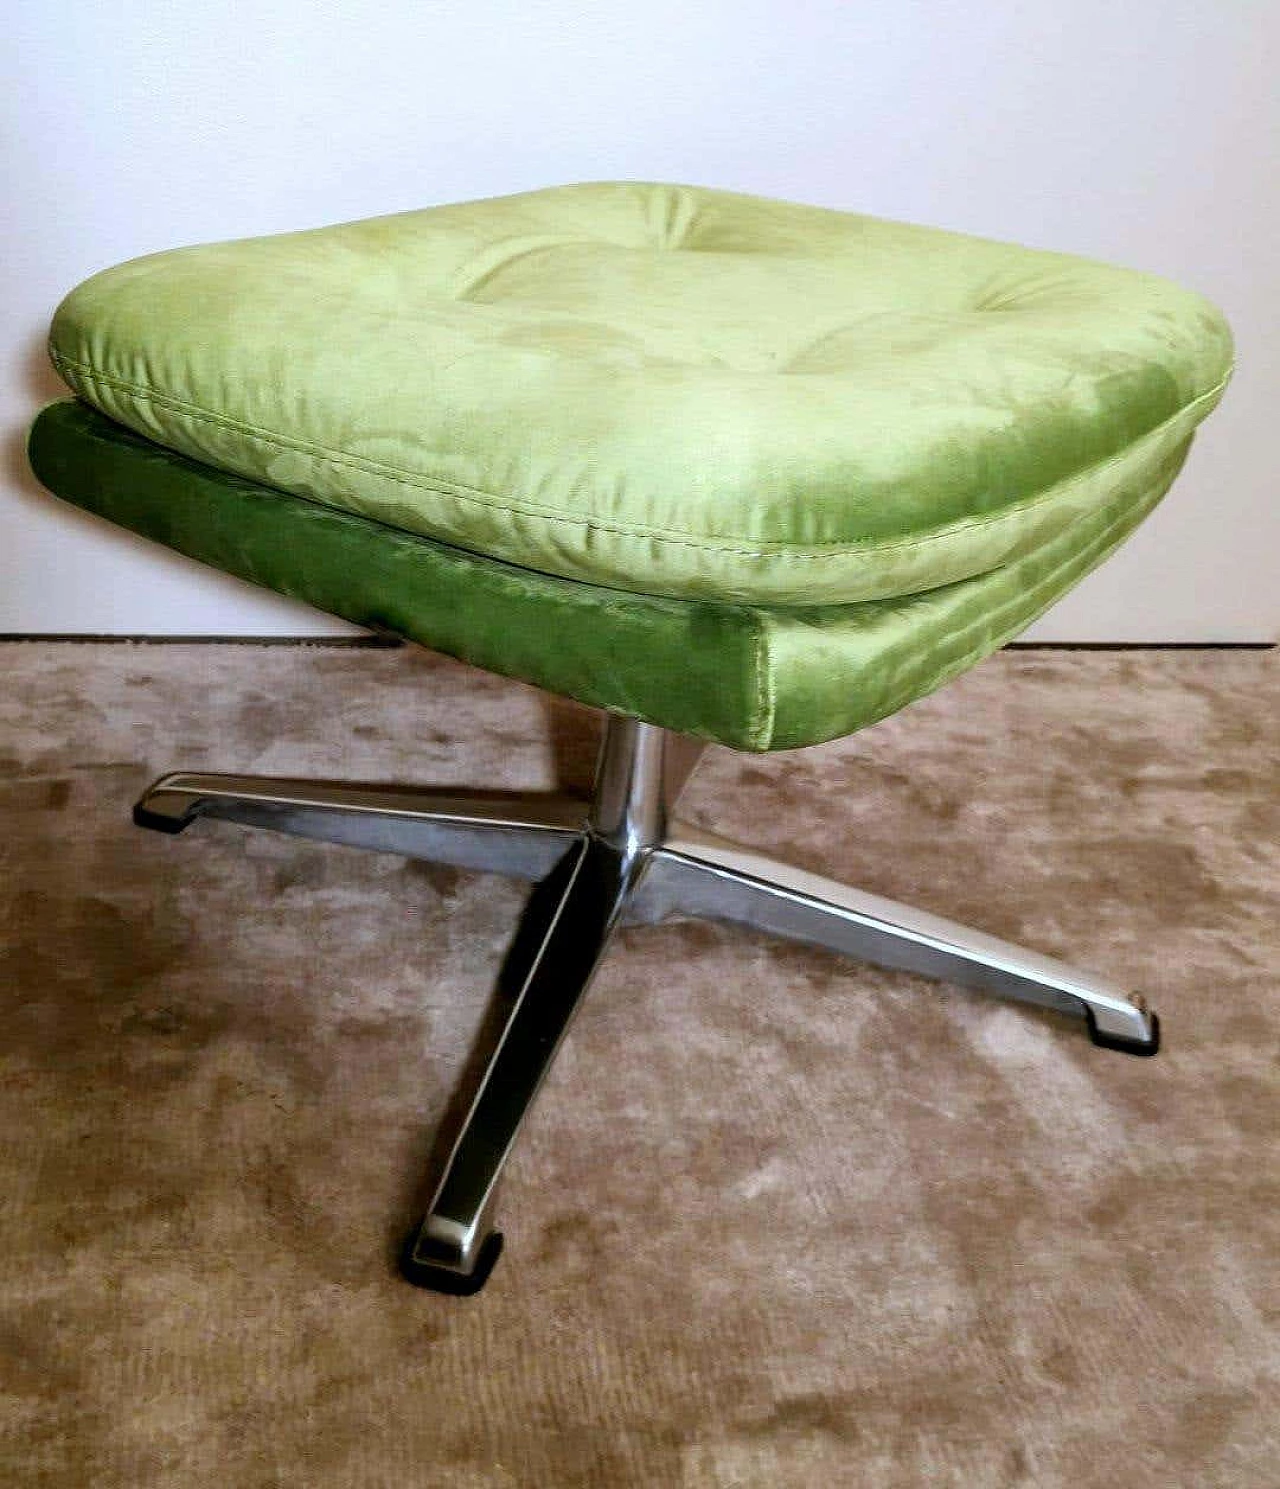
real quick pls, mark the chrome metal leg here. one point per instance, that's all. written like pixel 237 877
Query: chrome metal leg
pixel 618 857
pixel 456 1246
pixel 697 873
pixel 523 835
pixel 540 909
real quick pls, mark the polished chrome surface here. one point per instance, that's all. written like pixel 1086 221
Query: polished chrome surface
pixel 630 807
pixel 617 858
pixel 458 1223
pixel 627 821
pixel 697 873
pixel 507 833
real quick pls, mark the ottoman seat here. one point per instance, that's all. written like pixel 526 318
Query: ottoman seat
pixel 667 390
pixel 719 466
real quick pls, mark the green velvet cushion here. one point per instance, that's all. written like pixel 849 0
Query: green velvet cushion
pixel 752 676
pixel 670 391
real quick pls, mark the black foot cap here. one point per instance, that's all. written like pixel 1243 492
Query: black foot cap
pixel 444 1279
pixel 158 821
pixel 1125 1046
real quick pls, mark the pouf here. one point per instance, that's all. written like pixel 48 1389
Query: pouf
pixel 724 467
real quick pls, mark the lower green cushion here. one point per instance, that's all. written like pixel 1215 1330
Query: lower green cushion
pixel 662 389
pixel 755 677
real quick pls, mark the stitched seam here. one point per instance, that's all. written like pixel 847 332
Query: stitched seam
pixel 834 548
pixel 524 507
pixel 1103 544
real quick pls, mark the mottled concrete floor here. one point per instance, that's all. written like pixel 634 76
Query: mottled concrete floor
pixel 777 1219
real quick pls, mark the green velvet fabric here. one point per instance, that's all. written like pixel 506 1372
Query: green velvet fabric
pixel 665 390
pixel 755 677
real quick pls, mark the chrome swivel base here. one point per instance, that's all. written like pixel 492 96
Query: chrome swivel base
pixel 619 858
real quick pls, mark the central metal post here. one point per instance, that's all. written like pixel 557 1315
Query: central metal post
pixel 629 812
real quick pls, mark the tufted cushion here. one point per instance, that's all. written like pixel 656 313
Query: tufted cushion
pixel 664 390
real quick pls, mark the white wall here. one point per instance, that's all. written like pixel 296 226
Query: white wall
pixel 1145 133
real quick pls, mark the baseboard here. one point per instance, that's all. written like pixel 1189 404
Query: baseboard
pixel 1141 645
pixel 377 643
